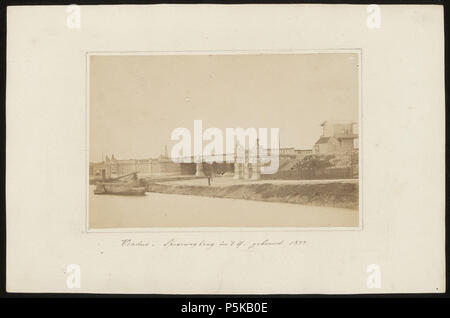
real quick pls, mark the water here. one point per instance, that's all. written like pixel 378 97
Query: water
pixel 171 210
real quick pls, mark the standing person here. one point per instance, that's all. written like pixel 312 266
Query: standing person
pixel 209 174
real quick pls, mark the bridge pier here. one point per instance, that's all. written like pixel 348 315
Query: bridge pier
pixel 237 170
pixel 256 174
pixel 246 171
pixel 199 170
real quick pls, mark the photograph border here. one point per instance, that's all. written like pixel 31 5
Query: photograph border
pixel 176 229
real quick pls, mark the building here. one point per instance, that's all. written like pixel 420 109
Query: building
pixel 112 167
pixel 287 153
pixel 303 152
pixel 337 137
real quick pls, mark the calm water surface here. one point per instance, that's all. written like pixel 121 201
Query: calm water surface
pixel 172 210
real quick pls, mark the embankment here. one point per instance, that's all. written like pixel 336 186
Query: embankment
pixel 335 194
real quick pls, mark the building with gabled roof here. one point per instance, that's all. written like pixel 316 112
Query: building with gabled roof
pixel 337 137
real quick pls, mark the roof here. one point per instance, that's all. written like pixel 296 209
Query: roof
pixel 323 140
pixel 346 136
pixel 337 122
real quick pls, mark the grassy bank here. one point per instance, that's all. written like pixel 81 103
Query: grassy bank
pixel 335 194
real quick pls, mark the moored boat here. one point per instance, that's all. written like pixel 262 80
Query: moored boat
pixel 124 185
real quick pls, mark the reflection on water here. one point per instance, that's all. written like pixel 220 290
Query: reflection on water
pixel 170 210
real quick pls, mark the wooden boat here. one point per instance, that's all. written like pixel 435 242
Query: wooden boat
pixel 124 185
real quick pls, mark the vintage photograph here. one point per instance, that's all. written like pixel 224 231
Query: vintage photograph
pixel 224 140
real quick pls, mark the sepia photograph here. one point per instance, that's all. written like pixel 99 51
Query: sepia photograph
pixel 224 140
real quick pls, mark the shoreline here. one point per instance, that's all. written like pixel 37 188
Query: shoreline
pixel 333 194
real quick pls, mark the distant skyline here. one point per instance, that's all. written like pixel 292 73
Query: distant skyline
pixel 136 101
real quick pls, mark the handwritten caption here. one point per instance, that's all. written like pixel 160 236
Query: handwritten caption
pixel 203 244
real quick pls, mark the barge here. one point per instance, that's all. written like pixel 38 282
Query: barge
pixel 124 185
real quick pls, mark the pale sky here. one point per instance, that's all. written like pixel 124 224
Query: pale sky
pixel 136 101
